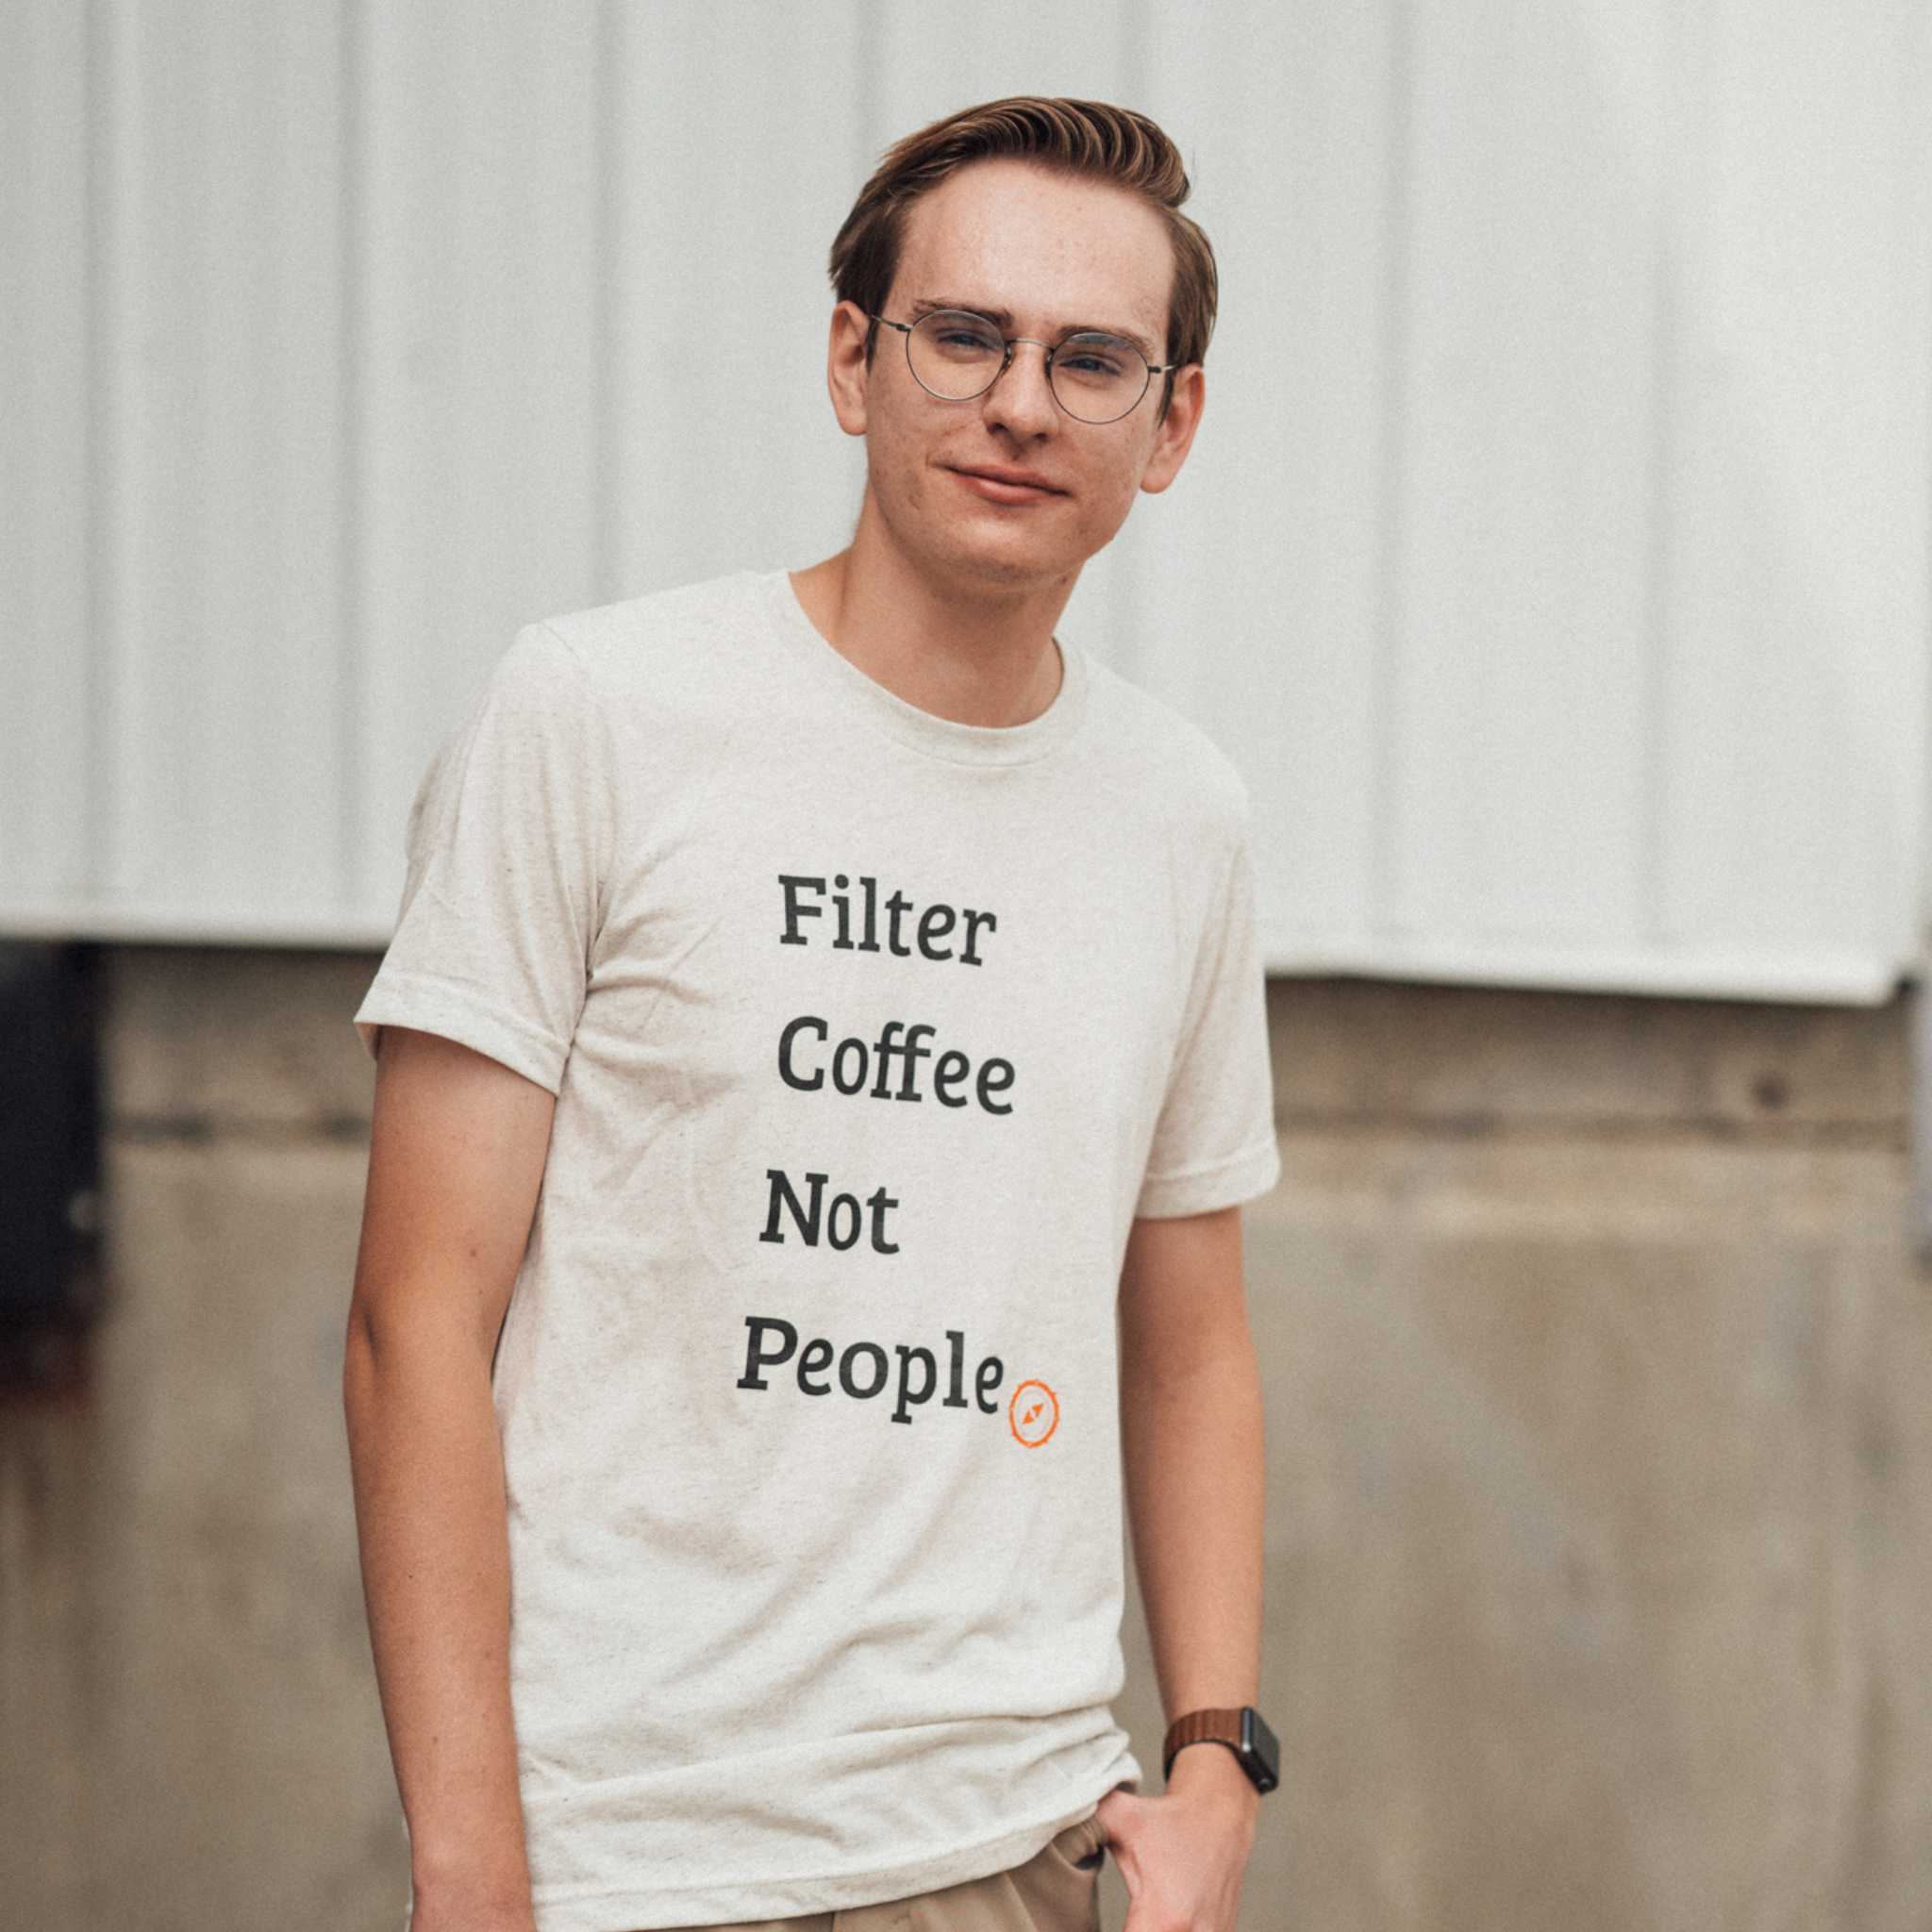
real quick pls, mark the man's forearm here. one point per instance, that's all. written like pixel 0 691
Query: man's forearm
pixel 1190 1424
pixel 1191 1421
pixel 456 1158
pixel 428 1469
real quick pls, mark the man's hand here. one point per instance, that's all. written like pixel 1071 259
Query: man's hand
pixel 1182 1855
pixel 1190 1429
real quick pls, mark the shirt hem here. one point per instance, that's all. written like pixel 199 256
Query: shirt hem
pixel 662 1906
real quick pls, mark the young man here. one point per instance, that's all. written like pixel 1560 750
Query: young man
pixel 823 1006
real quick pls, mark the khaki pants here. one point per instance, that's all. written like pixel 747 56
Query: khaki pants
pixel 1054 1891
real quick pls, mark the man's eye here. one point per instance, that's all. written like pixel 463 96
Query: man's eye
pixel 1100 361
pixel 958 335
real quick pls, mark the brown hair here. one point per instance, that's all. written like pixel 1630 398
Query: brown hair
pixel 1085 138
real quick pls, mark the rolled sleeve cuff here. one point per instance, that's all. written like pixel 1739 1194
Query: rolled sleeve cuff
pixel 458 1012
pixel 1213 1185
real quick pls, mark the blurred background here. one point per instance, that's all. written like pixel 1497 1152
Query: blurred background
pixel 1554 562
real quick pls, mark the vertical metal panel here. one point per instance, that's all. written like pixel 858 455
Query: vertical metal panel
pixel 220 374
pixel 736 141
pixel 929 61
pixel 1796 621
pixel 44 452
pixel 1252 592
pixel 1624 723
pixel 1521 573
pixel 1552 559
pixel 475 325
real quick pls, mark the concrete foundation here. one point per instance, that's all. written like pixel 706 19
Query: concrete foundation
pixel 188 1730
pixel 1601 1508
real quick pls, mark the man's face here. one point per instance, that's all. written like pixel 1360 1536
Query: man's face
pixel 1006 491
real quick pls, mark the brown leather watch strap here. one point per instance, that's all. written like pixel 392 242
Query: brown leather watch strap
pixel 1200 1728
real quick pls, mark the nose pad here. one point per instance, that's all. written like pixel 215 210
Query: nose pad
pixel 1028 391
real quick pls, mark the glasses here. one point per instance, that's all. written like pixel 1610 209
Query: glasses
pixel 1094 377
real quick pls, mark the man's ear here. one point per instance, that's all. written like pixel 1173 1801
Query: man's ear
pixel 1176 436
pixel 845 366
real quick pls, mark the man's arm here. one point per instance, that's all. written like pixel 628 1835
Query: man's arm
pixel 1190 1424
pixel 455 1162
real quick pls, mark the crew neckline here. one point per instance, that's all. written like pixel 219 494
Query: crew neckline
pixel 924 731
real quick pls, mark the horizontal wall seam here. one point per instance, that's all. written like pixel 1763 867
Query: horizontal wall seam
pixel 1883 1135
pixel 205 1129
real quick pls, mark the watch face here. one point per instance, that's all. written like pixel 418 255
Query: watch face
pixel 1260 1754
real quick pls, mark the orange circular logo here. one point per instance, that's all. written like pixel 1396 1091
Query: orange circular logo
pixel 1033 1414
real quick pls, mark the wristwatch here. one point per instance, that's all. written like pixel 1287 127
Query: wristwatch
pixel 1243 1733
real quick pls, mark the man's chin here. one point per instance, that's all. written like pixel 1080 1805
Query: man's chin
pixel 999 575
pixel 1001 555
pixel 1008 561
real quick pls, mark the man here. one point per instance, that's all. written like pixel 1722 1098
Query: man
pixel 822 1007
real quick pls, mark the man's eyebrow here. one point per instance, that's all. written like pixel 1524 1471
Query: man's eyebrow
pixel 1001 319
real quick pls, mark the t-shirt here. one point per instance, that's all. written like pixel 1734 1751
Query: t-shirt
pixel 870 1034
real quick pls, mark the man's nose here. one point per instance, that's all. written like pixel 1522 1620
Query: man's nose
pixel 1021 397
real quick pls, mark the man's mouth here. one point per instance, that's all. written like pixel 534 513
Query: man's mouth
pixel 1003 483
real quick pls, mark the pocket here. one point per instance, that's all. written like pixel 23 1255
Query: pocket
pixel 1083 1845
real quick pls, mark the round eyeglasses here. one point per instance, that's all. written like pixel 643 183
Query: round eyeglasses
pixel 1094 377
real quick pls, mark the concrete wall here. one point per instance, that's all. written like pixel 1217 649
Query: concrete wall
pixel 1601 1467
pixel 188 1731
pixel 1601 1533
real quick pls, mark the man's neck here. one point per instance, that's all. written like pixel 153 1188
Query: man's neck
pixel 967 653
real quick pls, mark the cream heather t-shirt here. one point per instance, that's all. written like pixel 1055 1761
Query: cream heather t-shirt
pixel 870 1034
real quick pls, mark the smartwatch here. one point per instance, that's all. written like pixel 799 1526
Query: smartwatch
pixel 1243 1733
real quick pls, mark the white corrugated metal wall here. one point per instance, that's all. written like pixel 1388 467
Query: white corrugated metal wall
pixel 1554 559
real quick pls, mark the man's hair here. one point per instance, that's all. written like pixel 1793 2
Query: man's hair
pixel 1089 139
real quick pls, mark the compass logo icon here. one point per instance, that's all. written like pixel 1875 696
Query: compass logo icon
pixel 1033 1414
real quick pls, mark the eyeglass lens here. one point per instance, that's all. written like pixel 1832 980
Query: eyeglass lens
pixel 1096 378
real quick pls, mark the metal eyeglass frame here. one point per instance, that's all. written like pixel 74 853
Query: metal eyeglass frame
pixel 1012 342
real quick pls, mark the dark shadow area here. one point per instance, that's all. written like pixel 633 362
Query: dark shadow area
pixel 50 1167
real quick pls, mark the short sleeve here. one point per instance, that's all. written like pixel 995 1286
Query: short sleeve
pixel 509 844
pixel 1214 1140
